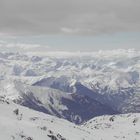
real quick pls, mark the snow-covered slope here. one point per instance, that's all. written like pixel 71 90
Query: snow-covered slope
pixel 73 107
pixel 21 123
pixel 72 86
pixel 110 78
pixel 26 124
pixel 115 127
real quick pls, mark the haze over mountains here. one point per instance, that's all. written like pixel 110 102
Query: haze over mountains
pixel 70 69
pixel 76 87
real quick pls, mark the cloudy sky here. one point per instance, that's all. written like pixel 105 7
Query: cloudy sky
pixel 69 25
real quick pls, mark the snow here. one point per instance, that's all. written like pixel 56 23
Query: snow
pixel 73 86
pixel 31 125
pixel 52 101
pixel 113 74
pixel 115 127
pixel 36 125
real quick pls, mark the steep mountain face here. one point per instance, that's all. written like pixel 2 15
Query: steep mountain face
pixel 122 99
pixel 21 123
pixel 73 107
pixel 105 79
pixel 68 85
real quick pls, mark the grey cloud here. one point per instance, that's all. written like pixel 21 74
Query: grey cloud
pixel 21 17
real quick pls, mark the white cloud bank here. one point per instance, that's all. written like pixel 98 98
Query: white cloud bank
pixel 22 47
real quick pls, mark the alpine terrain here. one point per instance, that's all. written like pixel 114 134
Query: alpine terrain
pixel 70 96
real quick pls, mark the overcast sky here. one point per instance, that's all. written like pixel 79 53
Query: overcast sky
pixel 70 25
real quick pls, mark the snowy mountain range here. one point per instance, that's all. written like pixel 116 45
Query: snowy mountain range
pixel 21 123
pixel 83 88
